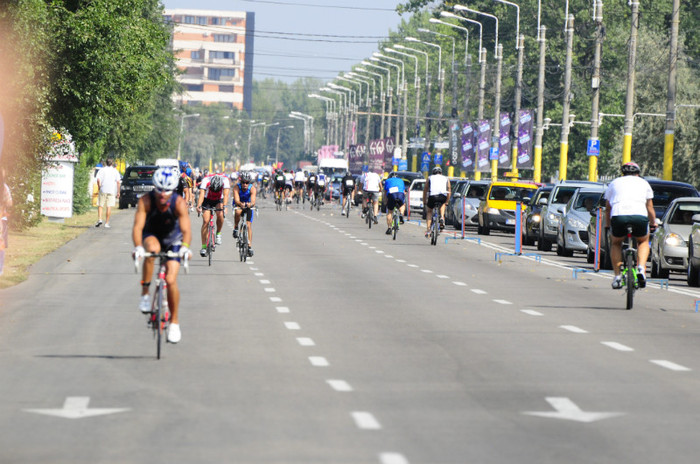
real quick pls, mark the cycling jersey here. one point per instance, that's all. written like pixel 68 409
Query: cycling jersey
pixel 371 182
pixel 394 185
pixel 438 185
pixel 211 195
pixel 299 177
pixel 244 194
pixel 163 224
pixel 279 181
pixel 628 195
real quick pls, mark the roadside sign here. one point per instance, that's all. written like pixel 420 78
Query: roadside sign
pixel 593 148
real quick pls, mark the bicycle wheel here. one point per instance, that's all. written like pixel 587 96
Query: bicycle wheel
pixel 630 279
pixel 370 215
pixel 157 313
pixel 434 230
pixel 395 223
pixel 210 243
pixel 245 246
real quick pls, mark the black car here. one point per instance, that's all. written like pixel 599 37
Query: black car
pixel 533 219
pixel 137 180
pixel 665 191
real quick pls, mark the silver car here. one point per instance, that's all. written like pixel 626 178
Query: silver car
pixel 470 201
pixel 551 215
pixel 572 234
pixel 669 243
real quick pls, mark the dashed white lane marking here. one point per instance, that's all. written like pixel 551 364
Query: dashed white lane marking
pixel 259 274
pixel 412 265
pixel 318 361
pixel 253 268
pixel 503 302
pixel 282 309
pixel 400 260
pixel 339 385
pixel 574 329
pixel 358 240
pixel 388 256
pixel 617 346
pixel 442 276
pixel 392 458
pixel 478 291
pixel 532 312
pixel 304 341
pixel 263 281
pixel 379 252
pixel 670 365
pixel 459 284
pixel 365 420
pixel 292 325
pixel 427 271
pixel 372 248
pixel 270 290
pixel 275 299
pixel 363 243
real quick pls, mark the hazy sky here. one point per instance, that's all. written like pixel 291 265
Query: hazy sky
pixel 292 55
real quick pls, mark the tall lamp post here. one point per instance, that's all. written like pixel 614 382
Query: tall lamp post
pixel 277 147
pixel 467 65
pixel 182 125
pixel 388 93
pixel 427 81
pixel 329 114
pixel 382 98
pixel 400 83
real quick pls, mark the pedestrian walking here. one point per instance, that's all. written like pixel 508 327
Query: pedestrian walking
pixel 5 205
pixel 108 182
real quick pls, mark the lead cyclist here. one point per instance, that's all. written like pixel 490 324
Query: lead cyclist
pixel 244 195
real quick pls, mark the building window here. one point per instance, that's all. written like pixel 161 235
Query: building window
pixel 222 55
pixel 189 19
pixel 230 38
pixel 226 88
pixel 196 54
pixel 215 74
pixel 202 20
pixel 194 87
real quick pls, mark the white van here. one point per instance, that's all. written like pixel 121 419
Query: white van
pixel 330 166
pixel 170 162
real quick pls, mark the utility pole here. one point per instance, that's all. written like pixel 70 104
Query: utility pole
pixel 417 86
pixel 537 175
pixel 495 135
pixel 518 97
pixel 671 99
pixel 404 141
pixel 629 103
pixel 427 116
pixel 480 110
pixel 595 84
pixel 565 122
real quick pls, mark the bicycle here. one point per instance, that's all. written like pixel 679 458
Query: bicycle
pixel 435 225
pixel 159 317
pixel 369 218
pixel 211 231
pixel 242 241
pixel 346 208
pixel 629 267
pixel 395 221
pixel 278 200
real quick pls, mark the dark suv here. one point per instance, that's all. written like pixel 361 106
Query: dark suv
pixel 136 181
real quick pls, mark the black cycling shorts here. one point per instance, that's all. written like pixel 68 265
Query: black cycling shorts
pixel 395 200
pixel 640 225
pixel 246 213
pixel 436 200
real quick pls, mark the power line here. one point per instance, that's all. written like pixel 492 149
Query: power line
pixel 321 6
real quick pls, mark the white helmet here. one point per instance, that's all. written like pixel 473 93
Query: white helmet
pixel 165 179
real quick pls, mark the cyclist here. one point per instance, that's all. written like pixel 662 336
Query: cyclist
pixel 395 191
pixel 280 181
pixel 265 182
pixel 348 186
pixel 244 194
pixel 321 186
pixel 288 185
pixel 436 193
pixel 628 201
pixel 162 223
pixel 371 185
pixel 214 192
pixel 311 184
pixel 299 180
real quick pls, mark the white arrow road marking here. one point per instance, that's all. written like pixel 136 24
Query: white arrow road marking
pixel 76 407
pixel 567 409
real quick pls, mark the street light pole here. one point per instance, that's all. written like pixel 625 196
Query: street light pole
pixel 277 149
pixel 182 125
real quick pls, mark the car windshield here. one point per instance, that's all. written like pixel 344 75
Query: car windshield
pixel 476 191
pixel 506 193
pixel 683 213
pixel 587 201
pixel 541 195
pixel 418 186
pixel 564 194
pixel 663 195
pixel 141 173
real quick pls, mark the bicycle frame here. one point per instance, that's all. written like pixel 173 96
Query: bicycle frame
pixel 629 268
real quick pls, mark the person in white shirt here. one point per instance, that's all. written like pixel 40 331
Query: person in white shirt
pixel 436 194
pixel 371 185
pixel 299 180
pixel 628 201
pixel 109 182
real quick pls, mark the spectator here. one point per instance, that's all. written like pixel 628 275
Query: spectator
pixel 5 205
pixel 108 182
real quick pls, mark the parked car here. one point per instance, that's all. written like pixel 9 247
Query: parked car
pixel 470 199
pixel 497 207
pixel 532 214
pixel 458 189
pixel 550 214
pixel 415 196
pixel 409 176
pixel 137 181
pixel 693 275
pixel 575 217
pixel 664 193
pixel 669 243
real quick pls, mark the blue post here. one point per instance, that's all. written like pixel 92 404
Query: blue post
pixel 518 228
pixel 464 205
pixel 596 261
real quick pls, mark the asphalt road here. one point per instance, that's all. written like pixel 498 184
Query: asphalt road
pixel 336 344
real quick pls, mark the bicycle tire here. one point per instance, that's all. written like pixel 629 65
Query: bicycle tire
pixel 434 230
pixel 210 243
pixel 157 319
pixel 630 281
pixel 370 216
pixel 246 245
pixel 395 223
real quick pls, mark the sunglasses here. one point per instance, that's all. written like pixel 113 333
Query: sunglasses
pixel 163 191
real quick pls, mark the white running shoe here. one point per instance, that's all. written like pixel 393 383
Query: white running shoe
pixel 174 334
pixel 145 304
pixel 218 239
pixel 107 226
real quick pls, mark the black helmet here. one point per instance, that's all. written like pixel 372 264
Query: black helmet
pixel 437 170
pixel 630 168
pixel 216 184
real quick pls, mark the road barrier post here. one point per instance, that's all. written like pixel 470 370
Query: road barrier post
pixel 518 228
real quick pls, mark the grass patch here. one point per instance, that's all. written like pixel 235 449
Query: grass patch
pixel 29 246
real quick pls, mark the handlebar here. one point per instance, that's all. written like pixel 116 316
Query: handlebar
pixel 163 255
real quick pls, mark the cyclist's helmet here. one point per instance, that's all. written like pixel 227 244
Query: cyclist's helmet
pixel 630 168
pixel 247 177
pixel 216 184
pixel 165 179
pixel 437 170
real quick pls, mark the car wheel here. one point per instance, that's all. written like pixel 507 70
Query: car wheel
pixel 654 269
pixel 546 244
pixel 660 271
pixel 123 204
pixel 590 256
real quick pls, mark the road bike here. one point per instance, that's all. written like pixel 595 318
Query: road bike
pixel 629 267
pixel 278 200
pixel 395 221
pixel 242 242
pixel 159 317
pixel 435 225
pixel 369 218
pixel 211 231
pixel 346 209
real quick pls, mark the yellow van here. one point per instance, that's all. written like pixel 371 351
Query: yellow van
pixel 497 207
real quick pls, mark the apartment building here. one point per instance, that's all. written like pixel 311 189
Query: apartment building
pixel 214 51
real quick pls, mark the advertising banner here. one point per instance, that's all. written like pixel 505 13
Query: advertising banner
pixel 356 155
pixel 525 158
pixel 483 146
pixel 455 142
pixel 327 151
pixel 388 154
pixel 376 155
pixel 504 150
pixel 468 147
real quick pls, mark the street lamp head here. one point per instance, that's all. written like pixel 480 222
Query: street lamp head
pixel 434 21
pixel 400 47
pixel 389 50
pixel 365 62
pixel 447 14
pixel 412 39
pixel 422 29
pixel 361 69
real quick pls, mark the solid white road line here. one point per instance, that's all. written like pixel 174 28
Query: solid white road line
pixel 573 328
pixel 318 361
pixel 670 365
pixel 339 385
pixel 617 346
pixel 365 420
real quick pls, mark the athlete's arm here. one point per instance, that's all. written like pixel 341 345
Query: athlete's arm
pixel 184 218
pixel 139 221
pixel 236 197
pixel 253 196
